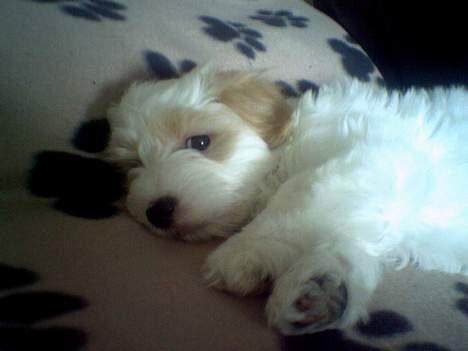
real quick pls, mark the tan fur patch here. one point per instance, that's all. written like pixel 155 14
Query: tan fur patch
pixel 222 146
pixel 258 102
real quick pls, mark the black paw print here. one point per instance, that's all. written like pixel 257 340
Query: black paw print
pixel 92 136
pixel 81 186
pixel 380 325
pixel 21 313
pixel 92 10
pixel 386 324
pixel 354 61
pixel 302 86
pixel 281 18
pixel 247 41
pixel 462 303
pixel 327 340
pixel 163 68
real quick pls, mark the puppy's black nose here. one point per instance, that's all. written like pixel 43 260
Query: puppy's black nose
pixel 161 212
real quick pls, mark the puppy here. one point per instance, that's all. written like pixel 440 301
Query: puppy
pixel 322 194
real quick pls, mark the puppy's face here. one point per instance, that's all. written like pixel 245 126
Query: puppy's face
pixel 196 149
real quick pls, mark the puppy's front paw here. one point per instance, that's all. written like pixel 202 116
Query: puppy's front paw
pixel 316 304
pixel 236 268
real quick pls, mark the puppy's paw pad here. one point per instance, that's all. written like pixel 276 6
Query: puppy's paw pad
pixel 319 305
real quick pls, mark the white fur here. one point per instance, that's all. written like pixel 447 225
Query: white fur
pixel 368 179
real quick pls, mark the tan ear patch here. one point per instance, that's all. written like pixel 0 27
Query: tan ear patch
pixel 259 102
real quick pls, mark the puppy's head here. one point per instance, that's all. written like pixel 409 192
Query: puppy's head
pixel 196 149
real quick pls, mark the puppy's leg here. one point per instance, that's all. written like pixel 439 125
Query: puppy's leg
pixel 323 290
pixel 265 248
pixel 248 262
pixel 318 245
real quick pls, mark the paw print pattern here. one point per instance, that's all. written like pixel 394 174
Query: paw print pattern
pixel 281 18
pixel 381 324
pixel 389 324
pixel 384 324
pixel 302 85
pixel 462 303
pixel 354 61
pixel 162 67
pixel 21 314
pixel 327 340
pixel 81 186
pixel 92 136
pixel 91 10
pixel 246 40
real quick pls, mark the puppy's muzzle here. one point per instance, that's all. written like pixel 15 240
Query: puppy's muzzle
pixel 161 212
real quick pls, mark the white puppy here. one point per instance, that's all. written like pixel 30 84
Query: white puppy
pixel 322 198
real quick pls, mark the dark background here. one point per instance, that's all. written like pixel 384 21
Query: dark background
pixel 412 42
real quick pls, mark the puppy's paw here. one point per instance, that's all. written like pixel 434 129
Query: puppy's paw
pixel 234 268
pixel 314 305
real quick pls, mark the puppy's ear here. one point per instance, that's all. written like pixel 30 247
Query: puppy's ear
pixel 257 101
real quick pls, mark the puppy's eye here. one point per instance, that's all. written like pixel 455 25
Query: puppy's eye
pixel 198 142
